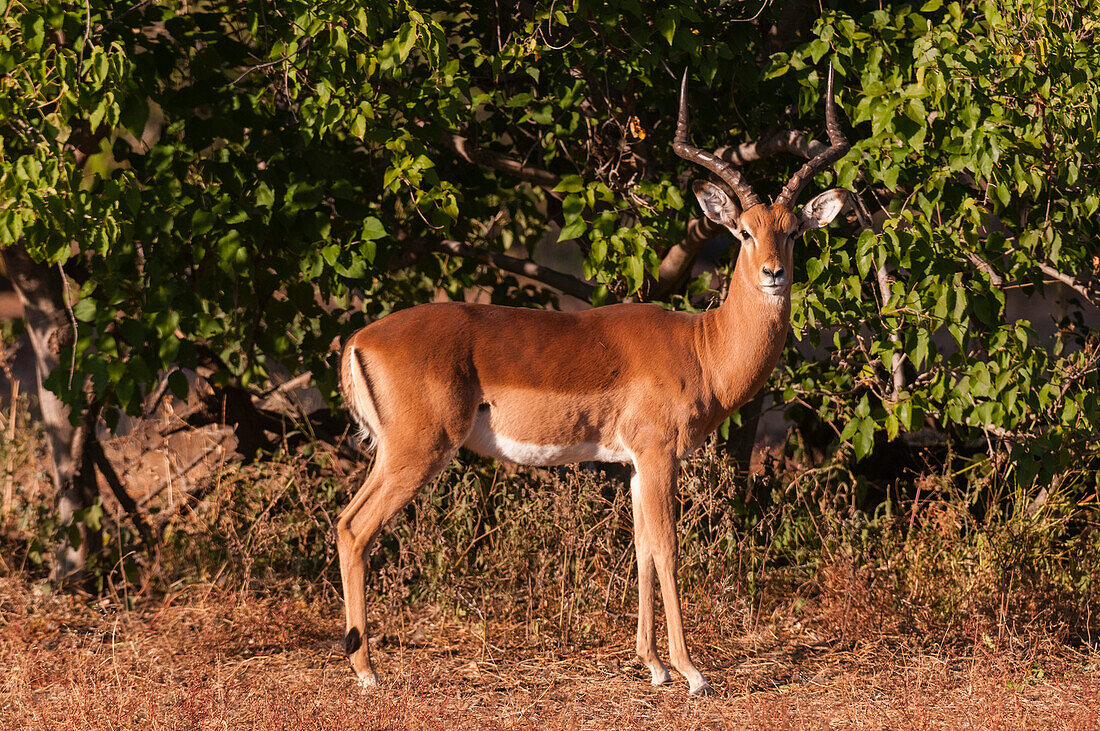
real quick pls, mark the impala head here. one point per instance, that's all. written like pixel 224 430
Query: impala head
pixel 766 232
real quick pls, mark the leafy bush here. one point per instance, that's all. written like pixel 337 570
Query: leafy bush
pixel 232 185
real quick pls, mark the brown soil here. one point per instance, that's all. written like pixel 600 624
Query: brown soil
pixel 201 658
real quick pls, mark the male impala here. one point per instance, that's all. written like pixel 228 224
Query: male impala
pixel 630 383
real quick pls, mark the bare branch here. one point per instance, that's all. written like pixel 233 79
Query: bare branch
pixel 471 153
pixel 1090 295
pixel 560 281
pixel 882 279
pixel 257 67
pixel 983 266
pixel 897 355
pixel 793 141
pixel 1089 291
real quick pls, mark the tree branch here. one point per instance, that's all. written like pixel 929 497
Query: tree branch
pixel 882 279
pixel 793 141
pixel 1081 289
pixel 1089 291
pixel 560 281
pixel 985 267
pixel 471 153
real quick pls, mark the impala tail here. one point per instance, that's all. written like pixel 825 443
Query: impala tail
pixel 355 386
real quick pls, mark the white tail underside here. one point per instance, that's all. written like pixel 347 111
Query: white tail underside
pixel 359 403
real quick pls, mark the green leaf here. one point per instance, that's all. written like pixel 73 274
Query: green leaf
pixel 817 49
pixel 372 229
pixel 666 25
pixel 891 427
pixel 634 272
pixel 675 199
pixel 573 230
pixel 406 39
pixel 864 441
pixel 177 383
pixel 96 117
pixel 92 516
pixel 85 310
pixel 918 354
pixel 598 252
pixel 570 184
pixel 264 196
pixel 330 253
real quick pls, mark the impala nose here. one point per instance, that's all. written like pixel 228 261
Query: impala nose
pixel 777 276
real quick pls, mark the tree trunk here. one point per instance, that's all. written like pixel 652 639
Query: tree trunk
pixel 40 288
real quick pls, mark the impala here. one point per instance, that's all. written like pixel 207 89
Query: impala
pixel 631 383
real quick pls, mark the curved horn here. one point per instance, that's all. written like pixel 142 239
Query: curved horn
pixel 721 168
pixel 838 148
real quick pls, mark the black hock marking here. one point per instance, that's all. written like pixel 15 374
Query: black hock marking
pixel 352 641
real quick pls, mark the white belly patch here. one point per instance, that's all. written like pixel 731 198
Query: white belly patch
pixel 488 443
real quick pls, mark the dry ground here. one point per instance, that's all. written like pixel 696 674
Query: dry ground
pixel 200 658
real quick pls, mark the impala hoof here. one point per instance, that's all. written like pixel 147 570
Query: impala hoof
pixel 702 690
pixel 659 675
pixel 367 683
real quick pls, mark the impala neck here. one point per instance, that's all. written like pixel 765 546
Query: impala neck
pixel 744 337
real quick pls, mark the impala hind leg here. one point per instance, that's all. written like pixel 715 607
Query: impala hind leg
pixel 647 638
pixel 390 486
pixel 656 483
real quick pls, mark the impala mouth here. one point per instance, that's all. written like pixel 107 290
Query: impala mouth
pixel 774 289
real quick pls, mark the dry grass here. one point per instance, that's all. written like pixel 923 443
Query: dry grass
pixel 503 600
pixel 203 658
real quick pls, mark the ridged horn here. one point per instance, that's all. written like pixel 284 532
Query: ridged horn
pixel 719 167
pixel 838 148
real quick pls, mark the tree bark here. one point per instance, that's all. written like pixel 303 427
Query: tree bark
pixel 41 290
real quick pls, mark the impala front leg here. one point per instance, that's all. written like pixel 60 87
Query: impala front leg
pixel 647 639
pixel 656 483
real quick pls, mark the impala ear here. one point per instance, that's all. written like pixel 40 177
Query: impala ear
pixel 716 205
pixel 822 210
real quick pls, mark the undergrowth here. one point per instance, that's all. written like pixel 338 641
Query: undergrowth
pixel 555 545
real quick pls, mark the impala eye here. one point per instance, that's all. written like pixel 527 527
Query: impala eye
pixel 745 234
